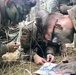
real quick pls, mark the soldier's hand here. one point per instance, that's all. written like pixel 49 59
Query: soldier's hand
pixel 12 46
pixel 38 59
pixel 50 58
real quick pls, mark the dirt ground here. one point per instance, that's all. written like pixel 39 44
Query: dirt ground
pixel 28 68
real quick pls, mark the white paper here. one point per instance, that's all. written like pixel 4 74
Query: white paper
pixel 48 69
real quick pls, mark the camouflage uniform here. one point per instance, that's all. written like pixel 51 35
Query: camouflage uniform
pixel 72 14
pixel 3 49
pixel 28 35
pixel 15 13
pixel 71 65
pixel 49 5
pixel 6 38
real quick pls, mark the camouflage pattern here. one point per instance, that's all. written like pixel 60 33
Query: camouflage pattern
pixel 73 1
pixel 9 30
pixel 64 2
pixel 3 49
pixel 70 65
pixel 72 14
pixel 49 5
pixel 28 35
pixel 52 5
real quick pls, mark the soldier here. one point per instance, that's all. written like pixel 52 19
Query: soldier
pixel 11 13
pixel 63 20
pixel 10 47
pixel 72 14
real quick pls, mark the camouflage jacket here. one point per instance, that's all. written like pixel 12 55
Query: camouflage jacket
pixel 72 14
pixel 3 49
pixel 6 37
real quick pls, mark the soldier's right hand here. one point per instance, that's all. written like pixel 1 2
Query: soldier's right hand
pixel 38 59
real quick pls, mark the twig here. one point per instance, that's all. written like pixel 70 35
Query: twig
pixel 28 71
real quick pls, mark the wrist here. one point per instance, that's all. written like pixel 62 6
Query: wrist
pixel 50 53
pixel 34 54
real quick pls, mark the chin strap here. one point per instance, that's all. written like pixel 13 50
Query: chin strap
pixel 53 32
pixel 58 26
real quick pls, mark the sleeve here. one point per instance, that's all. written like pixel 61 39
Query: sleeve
pixel 33 53
pixel 28 32
pixel 49 50
pixel 63 8
pixel 3 49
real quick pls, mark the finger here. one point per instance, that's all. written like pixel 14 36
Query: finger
pixel 15 47
pixel 40 63
pixel 16 44
pixel 52 58
pixel 58 72
pixel 47 58
pixel 44 61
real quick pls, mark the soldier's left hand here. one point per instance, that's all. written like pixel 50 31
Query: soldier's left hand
pixel 12 46
pixel 50 58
